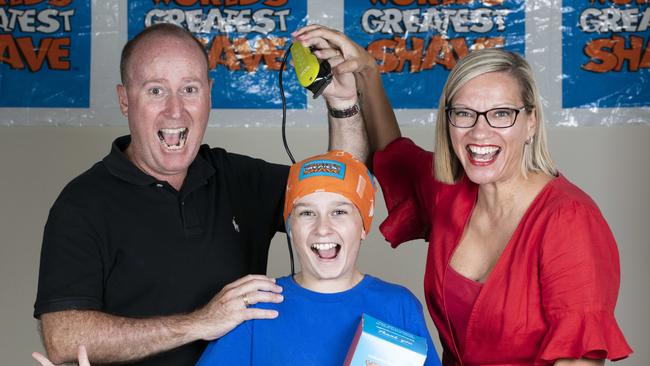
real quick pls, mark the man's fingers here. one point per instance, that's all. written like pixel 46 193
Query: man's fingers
pixel 335 61
pixel 351 65
pixel 256 285
pixel 306 29
pixel 230 307
pixel 247 278
pixel 331 44
pixel 327 53
pixel 247 291
pixel 261 296
pixel 323 35
pixel 314 31
pixel 315 43
pixel 255 313
pixel 41 359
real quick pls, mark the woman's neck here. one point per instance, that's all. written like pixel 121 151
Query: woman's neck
pixel 512 196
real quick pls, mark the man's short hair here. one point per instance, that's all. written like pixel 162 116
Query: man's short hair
pixel 160 29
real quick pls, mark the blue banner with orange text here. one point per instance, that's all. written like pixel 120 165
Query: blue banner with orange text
pixel 417 43
pixel 245 45
pixel 605 57
pixel 45 54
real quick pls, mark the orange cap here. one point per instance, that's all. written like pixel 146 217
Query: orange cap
pixel 337 172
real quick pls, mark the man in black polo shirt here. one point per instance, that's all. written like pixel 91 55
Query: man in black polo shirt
pixel 145 256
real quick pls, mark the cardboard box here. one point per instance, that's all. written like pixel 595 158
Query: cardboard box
pixel 377 343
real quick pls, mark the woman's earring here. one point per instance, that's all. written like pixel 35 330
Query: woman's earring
pixel 529 140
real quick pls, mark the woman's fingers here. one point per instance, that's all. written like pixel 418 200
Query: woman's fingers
pixel 41 359
pixel 82 355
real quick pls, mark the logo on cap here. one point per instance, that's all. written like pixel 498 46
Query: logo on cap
pixel 322 168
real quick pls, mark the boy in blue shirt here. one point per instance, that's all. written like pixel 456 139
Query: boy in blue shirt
pixel 328 212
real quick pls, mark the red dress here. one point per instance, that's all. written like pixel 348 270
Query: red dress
pixel 460 295
pixel 552 292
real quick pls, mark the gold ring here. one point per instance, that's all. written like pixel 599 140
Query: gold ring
pixel 245 299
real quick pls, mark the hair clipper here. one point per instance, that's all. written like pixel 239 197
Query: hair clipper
pixel 313 74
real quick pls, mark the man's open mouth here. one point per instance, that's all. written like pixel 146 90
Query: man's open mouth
pixel 173 138
pixel 326 250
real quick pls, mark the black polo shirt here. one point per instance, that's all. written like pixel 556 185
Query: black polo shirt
pixel 119 241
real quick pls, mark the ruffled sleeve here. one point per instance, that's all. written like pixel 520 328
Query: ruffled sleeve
pixel 593 334
pixel 580 279
pixel 400 169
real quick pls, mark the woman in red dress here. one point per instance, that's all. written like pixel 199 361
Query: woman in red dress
pixel 522 268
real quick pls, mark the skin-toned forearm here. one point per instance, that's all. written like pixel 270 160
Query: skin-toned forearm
pixel 111 338
pixel 342 54
pixel 580 362
pixel 349 134
pixel 380 121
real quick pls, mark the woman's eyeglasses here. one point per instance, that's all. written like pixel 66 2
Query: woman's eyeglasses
pixel 495 117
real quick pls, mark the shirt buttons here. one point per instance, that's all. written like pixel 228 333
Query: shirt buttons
pixel 159 185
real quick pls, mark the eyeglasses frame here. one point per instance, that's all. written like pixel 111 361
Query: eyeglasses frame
pixel 484 114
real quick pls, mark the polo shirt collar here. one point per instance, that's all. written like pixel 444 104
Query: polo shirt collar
pixel 199 171
pixel 119 165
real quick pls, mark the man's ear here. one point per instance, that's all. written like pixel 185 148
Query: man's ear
pixel 123 99
pixel 210 83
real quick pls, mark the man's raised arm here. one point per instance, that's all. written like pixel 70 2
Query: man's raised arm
pixel 375 126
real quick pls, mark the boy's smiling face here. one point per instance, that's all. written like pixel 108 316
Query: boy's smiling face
pixel 326 230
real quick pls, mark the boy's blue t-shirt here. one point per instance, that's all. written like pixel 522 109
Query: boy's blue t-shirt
pixel 314 328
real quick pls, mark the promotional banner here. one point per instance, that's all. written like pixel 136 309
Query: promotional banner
pixel 605 54
pixel 417 42
pixel 590 57
pixel 245 40
pixel 44 54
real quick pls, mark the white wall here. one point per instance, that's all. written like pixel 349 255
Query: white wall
pixel 609 163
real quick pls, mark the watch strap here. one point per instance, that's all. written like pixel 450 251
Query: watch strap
pixel 344 113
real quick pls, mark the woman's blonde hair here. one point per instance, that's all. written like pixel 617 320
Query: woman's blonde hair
pixel 447 167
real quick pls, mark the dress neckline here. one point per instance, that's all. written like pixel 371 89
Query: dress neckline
pixel 498 265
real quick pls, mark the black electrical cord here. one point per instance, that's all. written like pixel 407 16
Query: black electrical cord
pixel 284 139
pixel 284 104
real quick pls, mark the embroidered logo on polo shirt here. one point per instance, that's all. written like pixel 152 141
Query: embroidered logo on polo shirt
pixel 234 224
